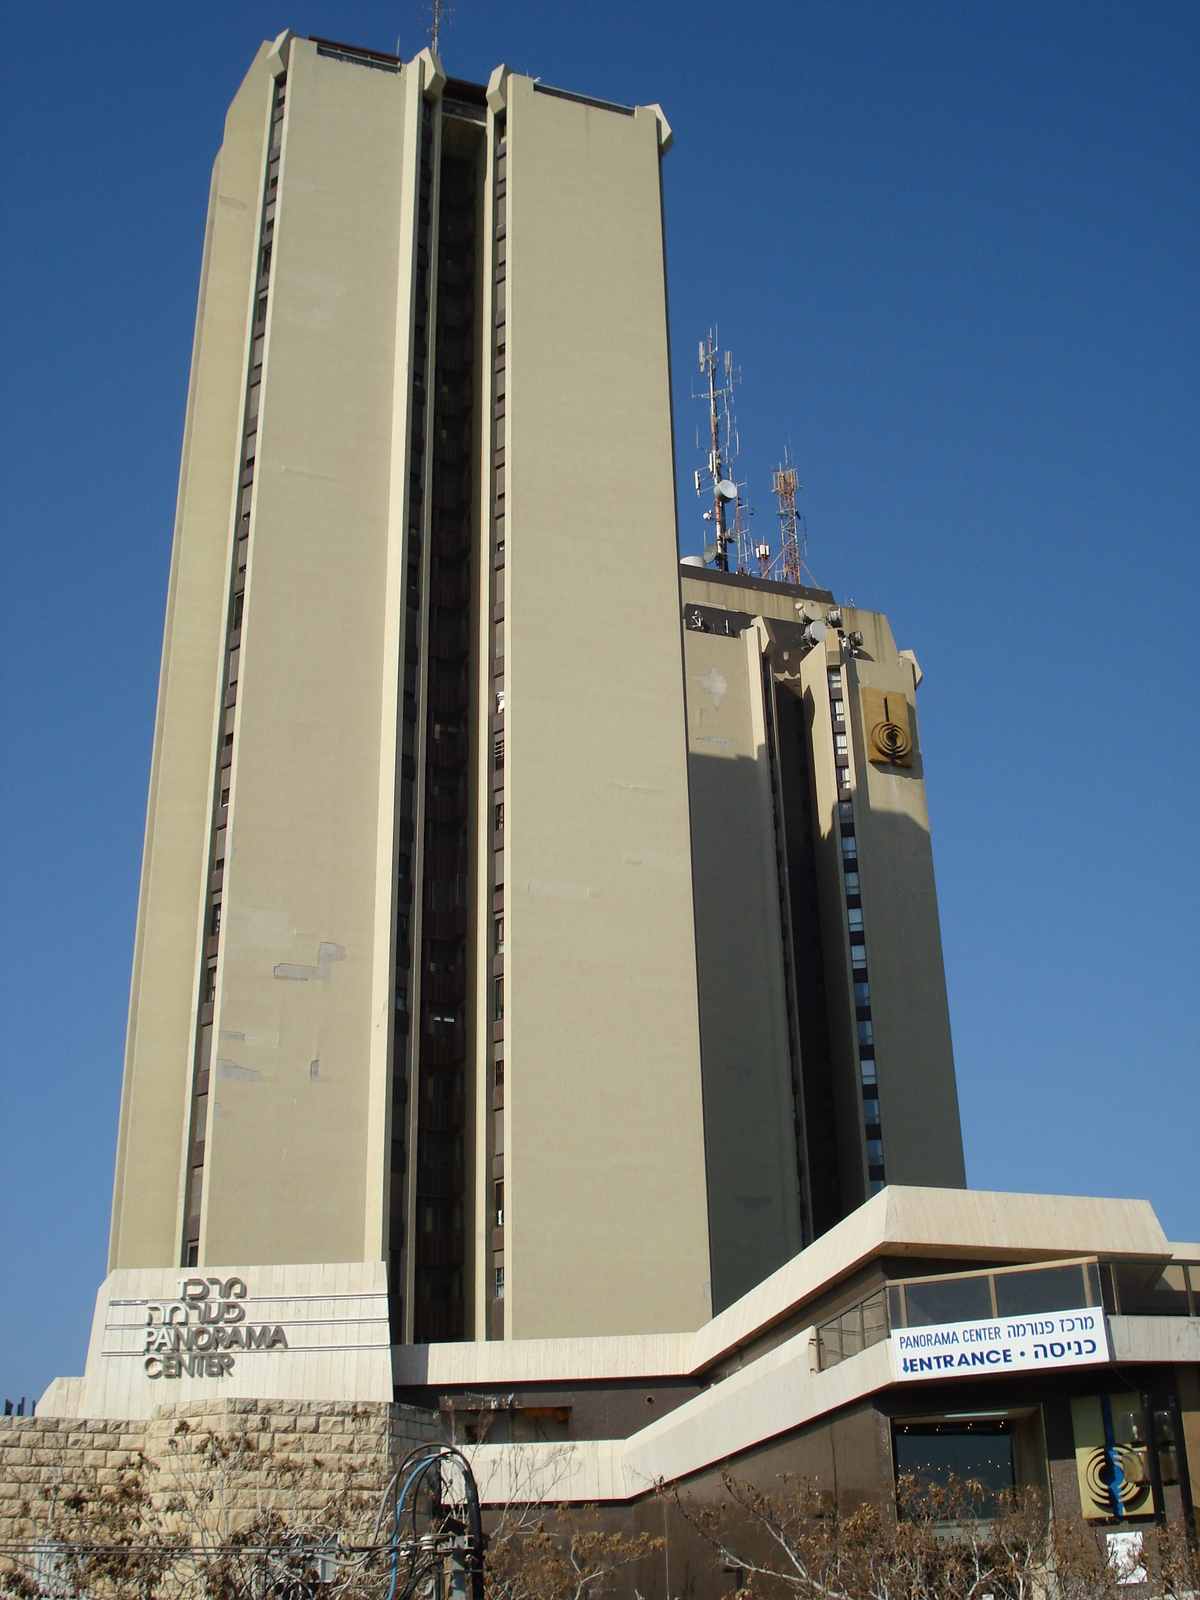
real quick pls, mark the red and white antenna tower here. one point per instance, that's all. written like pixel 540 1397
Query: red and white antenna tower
pixel 785 481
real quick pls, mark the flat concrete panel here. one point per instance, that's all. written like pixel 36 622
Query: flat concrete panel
pixel 749 1107
pixel 287 1147
pixel 165 987
pixel 605 1210
pixel 909 1008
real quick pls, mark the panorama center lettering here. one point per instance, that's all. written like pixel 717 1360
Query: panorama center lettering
pixel 955 1349
pixel 195 1336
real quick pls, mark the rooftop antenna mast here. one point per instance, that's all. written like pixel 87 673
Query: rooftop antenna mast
pixel 746 548
pixel 438 13
pixel 785 481
pixel 724 490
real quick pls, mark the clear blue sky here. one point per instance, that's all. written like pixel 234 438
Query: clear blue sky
pixel 955 251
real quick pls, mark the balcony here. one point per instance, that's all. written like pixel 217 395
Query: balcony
pixel 444 1049
pixel 447 808
pixel 451 750
pixel 437 1323
pixel 440 1250
pixel 441 987
pixel 449 641
pixel 453 592
pixel 443 1116
pixel 451 541
pixel 450 699
pixel 439 1182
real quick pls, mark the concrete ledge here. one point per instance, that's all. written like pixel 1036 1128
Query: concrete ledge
pixel 1155 1339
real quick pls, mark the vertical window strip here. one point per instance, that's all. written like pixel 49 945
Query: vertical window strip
pixel 410 667
pixel 864 1030
pixel 498 433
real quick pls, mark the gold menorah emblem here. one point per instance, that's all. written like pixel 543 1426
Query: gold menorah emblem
pixel 889 728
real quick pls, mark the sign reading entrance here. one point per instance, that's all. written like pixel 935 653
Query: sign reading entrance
pixel 1001 1344
pixel 196 1335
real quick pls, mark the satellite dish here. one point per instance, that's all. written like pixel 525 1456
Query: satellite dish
pixel 817 631
pixel 710 553
pixel 692 561
pixel 727 490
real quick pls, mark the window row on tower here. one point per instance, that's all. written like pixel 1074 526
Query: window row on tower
pixel 858 949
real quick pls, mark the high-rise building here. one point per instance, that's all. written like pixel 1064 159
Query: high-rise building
pixel 492 924
pixel 828 1066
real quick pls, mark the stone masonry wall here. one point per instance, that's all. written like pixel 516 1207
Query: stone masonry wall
pixel 198 1470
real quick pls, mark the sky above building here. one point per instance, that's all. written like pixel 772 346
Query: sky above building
pixel 953 250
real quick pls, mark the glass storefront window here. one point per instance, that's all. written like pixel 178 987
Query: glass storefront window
pixel 948 1455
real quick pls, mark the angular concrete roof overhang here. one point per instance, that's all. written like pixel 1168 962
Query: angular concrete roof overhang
pixel 959 1225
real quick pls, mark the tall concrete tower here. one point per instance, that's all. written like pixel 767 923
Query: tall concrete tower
pixel 415 969
pixel 429 966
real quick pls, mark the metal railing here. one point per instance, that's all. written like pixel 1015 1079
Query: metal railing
pixel 1123 1288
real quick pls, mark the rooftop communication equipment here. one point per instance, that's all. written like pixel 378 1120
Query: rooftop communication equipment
pixel 785 481
pixel 717 367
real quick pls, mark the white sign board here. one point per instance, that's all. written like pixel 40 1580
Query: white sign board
pixel 1001 1344
pixel 312 1332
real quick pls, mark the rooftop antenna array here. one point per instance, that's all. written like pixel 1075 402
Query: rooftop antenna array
pixel 748 551
pixel 438 13
pixel 716 474
pixel 793 568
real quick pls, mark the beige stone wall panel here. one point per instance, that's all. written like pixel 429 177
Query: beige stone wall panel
pixel 172 902
pixel 605 1207
pixel 909 1005
pixel 753 1192
pixel 285 1158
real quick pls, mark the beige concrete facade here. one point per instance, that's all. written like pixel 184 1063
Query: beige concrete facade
pixel 917 1087
pixel 606 1227
pixel 758 1366
pixel 823 879
pixel 750 1104
pixel 148 1191
pixel 312 703
pixel 471 942
pixel 283 997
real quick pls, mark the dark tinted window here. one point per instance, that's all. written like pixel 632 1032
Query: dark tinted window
pixel 1040 1289
pixel 947 1300
pixel 1147 1289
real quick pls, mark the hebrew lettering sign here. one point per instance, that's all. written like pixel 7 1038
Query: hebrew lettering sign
pixel 199 1334
pixel 289 1332
pixel 1001 1344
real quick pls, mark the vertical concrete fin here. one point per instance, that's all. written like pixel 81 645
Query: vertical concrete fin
pixel 378 1131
